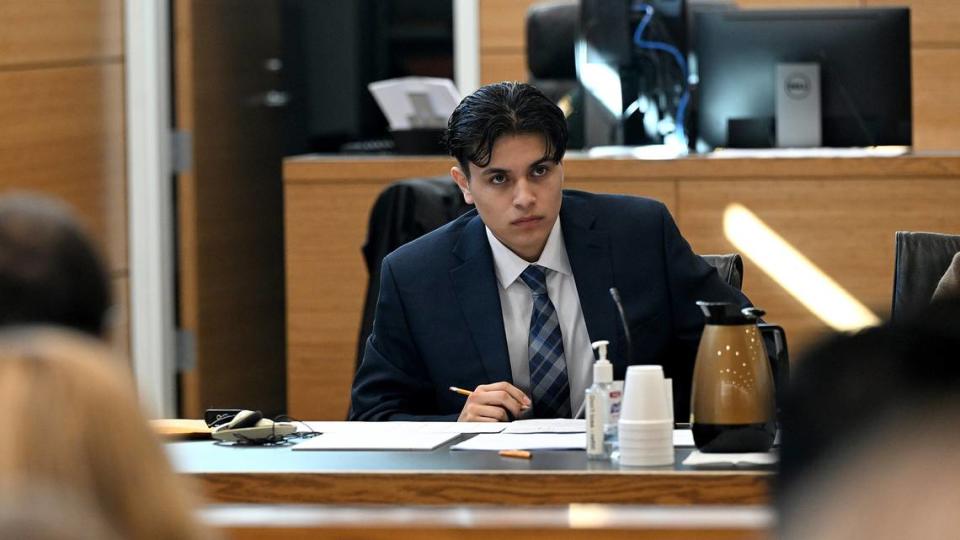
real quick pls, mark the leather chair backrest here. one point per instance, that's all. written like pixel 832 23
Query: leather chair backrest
pixel 551 34
pixel 920 260
pixel 551 59
pixel 404 211
pixel 729 266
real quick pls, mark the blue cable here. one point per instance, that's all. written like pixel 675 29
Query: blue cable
pixel 673 51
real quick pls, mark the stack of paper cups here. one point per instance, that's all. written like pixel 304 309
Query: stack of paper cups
pixel 646 418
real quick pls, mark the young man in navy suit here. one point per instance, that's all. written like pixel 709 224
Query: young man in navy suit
pixel 505 300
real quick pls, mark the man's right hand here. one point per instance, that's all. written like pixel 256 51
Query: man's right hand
pixel 493 402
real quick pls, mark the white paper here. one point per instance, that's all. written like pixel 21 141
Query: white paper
pixel 544 425
pixel 416 102
pixel 683 437
pixel 375 441
pixel 524 441
pixel 780 153
pixel 401 427
pixel 648 152
pixel 700 459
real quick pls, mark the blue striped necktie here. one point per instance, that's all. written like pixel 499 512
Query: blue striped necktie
pixel 548 368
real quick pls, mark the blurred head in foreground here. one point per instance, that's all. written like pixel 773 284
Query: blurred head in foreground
pixel 870 445
pixel 50 272
pixel 74 424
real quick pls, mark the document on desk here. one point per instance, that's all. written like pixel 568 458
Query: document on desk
pixel 747 459
pixel 376 441
pixel 547 425
pixel 818 152
pixel 401 427
pixel 524 441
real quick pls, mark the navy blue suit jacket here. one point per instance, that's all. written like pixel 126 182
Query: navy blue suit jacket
pixel 439 322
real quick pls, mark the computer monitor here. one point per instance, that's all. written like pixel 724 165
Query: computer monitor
pixel 631 65
pixel 864 69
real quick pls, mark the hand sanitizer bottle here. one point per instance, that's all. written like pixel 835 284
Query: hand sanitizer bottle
pixel 597 398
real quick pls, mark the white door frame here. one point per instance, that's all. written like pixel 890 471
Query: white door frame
pixel 150 202
pixel 466 45
pixel 150 184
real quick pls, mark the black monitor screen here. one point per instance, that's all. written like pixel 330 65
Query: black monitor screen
pixel 864 58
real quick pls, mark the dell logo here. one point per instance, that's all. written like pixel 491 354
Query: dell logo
pixel 797 85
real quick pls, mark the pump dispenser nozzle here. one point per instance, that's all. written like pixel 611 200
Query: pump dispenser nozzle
pixel 602 368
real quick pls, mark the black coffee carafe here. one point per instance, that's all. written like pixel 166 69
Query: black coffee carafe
pixel 732 401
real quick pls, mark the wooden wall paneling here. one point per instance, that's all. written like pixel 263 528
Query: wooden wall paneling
pixel 324 321
pixel 503 23
pixel 61 134
pixel 59 31
pixel 62 121
pixel 936 109
pixel 503 66
pixel 503 40
pixel 324 240
pixel 845 226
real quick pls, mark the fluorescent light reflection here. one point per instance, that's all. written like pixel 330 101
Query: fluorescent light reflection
pixel 809 285
pixel 599 78
pixel 590 516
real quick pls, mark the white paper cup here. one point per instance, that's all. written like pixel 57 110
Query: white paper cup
pixel 644 436
pixel 651 451
pixel 645 440
pixel 646 447
pixel 646 460
pixel 627 438
pixel 644 397
pixel 642 425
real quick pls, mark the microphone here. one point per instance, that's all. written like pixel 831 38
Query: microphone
pixel 615 294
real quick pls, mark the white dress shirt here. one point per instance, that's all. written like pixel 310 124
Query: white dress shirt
pixel 517 304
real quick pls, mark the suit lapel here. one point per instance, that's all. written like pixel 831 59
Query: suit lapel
pixel 476 287
pixel 589 252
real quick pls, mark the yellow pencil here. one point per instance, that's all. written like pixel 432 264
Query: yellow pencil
pixel 461 391
pixel 522 454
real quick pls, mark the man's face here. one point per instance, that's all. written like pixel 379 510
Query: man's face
pixel 518 194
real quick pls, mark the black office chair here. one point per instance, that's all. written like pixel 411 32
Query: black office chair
pixel 920 261
pixel 405 211
pixel 551 34
pixel 729 266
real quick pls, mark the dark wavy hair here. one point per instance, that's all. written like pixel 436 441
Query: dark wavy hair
pixel 50 272
pixel 504 108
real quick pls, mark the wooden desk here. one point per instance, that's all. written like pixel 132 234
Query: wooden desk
pixel 441 477
pixel 841 213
